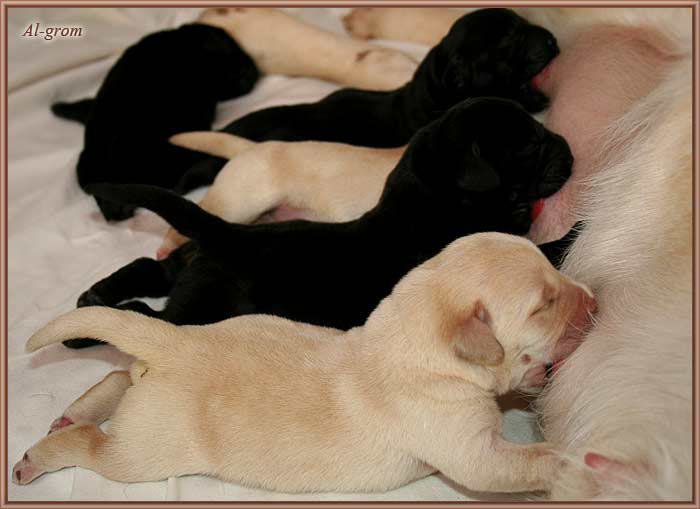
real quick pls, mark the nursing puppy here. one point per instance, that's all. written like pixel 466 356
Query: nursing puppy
pixel 490 52
pixel 166 83
pixel 478 168
pixel 487 315
pixel 280 181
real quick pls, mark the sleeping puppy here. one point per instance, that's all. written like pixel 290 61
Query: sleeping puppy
pixel 478 168
pixel 279 181
pixel 166 83
pixel 490 52
pixel 487 315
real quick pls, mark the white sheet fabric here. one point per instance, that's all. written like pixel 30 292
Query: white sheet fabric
pixel 59 244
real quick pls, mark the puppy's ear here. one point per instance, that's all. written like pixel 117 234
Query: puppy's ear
pixel 474 340
pixel 478 176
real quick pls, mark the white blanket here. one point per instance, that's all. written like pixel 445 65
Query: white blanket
pixel 59 244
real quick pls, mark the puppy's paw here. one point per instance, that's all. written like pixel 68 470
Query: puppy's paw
pixel 25 471
pixel 360 22
pixel 60 423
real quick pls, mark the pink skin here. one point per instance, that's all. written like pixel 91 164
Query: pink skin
pixel 281 213
pixel 59 423
pixel 590 85
pixel 609 470
pixel 25 471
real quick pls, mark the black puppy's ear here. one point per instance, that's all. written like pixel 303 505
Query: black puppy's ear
pixel 479 176
pixel 218 42
pixel 457 74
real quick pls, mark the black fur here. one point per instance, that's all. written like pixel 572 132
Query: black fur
pixel 489 52
pixel 478 168
pixel 166 83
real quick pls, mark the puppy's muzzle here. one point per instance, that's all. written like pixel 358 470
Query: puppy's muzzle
pixel 557 162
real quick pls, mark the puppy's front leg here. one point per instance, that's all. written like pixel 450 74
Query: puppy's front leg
pixel 502 466
pixel 97 404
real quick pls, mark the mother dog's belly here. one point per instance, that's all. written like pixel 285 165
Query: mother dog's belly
pixel 591 85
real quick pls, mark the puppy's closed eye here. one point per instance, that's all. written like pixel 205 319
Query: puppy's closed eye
pixel 544 306
pixel 549 298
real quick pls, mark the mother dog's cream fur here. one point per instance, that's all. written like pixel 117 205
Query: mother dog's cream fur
pixel 627 393
pixel 636 366
pixel 268 402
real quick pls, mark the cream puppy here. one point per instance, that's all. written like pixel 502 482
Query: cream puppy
pixel 282 44
pixel 264 401
pixel 278 180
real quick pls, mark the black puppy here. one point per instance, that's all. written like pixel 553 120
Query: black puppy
pixel 478 168
pixel 490 52
pixel 166 83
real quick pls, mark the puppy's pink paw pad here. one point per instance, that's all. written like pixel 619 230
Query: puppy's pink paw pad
pixel 59 423
pixel 25 471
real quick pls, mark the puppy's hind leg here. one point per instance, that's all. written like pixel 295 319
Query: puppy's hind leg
pixel 97 404
pixel 243 191
pixel 74 436
pixel 85 445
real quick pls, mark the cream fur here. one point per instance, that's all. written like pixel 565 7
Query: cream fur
pixel 281 44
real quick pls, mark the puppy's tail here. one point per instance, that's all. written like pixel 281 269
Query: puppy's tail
pixel 79 111
pixel 144 337
pixel 212 142
pixel 186 217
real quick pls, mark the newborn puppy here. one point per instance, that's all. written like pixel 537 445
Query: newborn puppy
pixel 478 168
pixel 166 83
pixel 490 52
pixel 270 403
pixel 279 181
